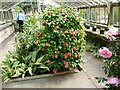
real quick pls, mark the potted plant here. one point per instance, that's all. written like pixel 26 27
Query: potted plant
pixel 88 26
pixel 102 30
pixel 94 28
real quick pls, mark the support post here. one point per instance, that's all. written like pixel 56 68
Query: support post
pixel 110 14
pixel 119 15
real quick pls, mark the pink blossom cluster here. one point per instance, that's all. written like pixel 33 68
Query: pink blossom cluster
pixel 105 53
pixel 113 80
pixel 111 33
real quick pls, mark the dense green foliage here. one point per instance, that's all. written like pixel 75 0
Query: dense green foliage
pixel 55 45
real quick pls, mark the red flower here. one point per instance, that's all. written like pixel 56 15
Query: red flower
pixel 62 32
pixel 76 56
pixel 58 52
pixel 45 22
pixel 56 28
pixel 46 43
pixel 39 34
pixel 64 18
pixel 42 49
pixel 54 71
pixel 56 56
pixel 52 22
pixel 78 31
pixel 74 48
pixel 66 55
pixel 38 41
pixel 49 13
pixel 72 32
pixel 64 43
pixel 70 69
pixel 73 36
pixel 66 66
pixel 69 54
pixel 66 63
pixel 48 61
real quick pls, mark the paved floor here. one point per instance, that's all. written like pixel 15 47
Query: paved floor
pixel 84 79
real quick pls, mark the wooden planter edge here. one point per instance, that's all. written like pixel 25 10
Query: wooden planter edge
pixel 42 76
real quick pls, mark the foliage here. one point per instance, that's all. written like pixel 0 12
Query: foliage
pixel 54 47
pixel 92 47
pixel 111 65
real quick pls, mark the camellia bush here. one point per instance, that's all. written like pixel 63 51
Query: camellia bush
pixel 111 60
pixel 54 46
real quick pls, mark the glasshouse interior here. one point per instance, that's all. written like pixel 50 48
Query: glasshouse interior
pixel 60 44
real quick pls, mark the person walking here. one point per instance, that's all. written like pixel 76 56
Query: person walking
pixel 20 20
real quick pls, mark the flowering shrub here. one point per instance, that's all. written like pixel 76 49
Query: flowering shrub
pixel 111 59
pixel 105 53
pixel 55 46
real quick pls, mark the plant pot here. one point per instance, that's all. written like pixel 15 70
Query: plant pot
pixel 88 27
pixel 101 31
pixel 93 29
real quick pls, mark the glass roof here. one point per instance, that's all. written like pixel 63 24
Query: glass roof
pixel 8 4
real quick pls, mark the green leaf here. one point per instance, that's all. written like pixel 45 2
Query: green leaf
pixel 40 59
pixel 34 56
pixel 30 70
pixel 44 67
pixel 6 80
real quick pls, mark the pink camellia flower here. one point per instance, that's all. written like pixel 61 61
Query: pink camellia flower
pixel 54 71
pixel 64 44
pixel 111 32
pixel 42 49
pixel 75 48
pixel 58 52
pixel 39 34
pixel 73 37
pixel 76 56
pixel 38 41
pixel 105 53
pixel 72 32
pixel 66 63
pixel 56 56
pixel 113 80
pixel 48 61
pixel 70 69
pixel 46 43
pixel 66 66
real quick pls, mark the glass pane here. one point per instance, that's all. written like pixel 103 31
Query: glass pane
pixel 1 17
pixel 115 9
pixel 102 15
pixel 97 15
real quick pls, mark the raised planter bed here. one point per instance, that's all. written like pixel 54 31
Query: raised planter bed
pixel 42 76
